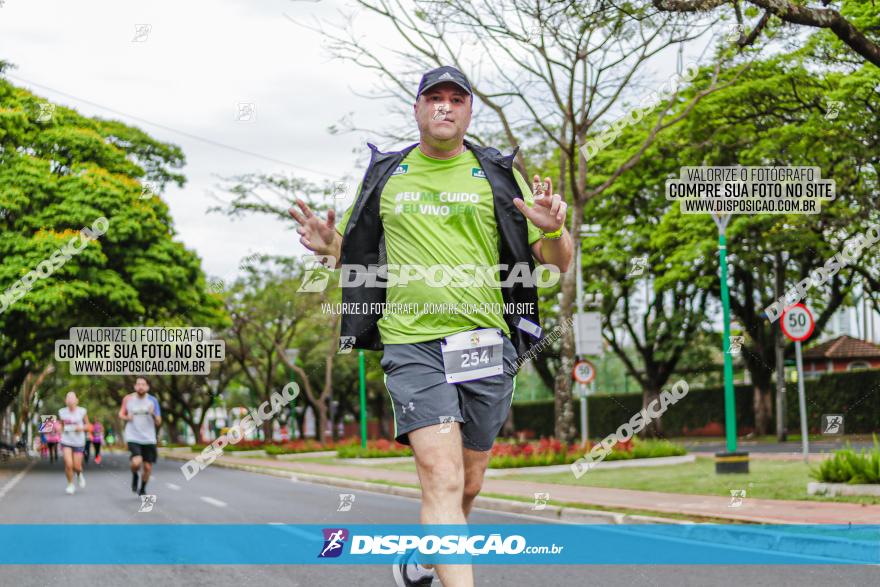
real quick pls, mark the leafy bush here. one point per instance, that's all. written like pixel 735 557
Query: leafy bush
pixel 507 455
pixel 375 449
pixel 848 467
pixel 297 446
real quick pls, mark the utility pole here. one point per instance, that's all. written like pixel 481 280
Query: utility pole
pixel 730 461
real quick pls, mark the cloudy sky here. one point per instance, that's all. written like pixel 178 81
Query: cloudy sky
pixel 179 71
pixel 186 74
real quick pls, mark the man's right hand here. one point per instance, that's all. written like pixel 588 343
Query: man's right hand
pixel 317 235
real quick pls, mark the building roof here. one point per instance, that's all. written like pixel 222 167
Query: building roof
pixel 844 347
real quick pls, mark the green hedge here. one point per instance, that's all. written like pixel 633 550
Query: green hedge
pixel 854 394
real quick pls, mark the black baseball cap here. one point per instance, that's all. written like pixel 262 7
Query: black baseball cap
pixel 447 73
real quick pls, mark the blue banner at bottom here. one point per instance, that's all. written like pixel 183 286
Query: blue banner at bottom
pixel 521 544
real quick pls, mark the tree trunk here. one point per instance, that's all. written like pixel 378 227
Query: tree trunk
pixel 173 430
pixel 655 428
pixel 267 430
pixel 762 401
pixel 565 429
pixel 322 422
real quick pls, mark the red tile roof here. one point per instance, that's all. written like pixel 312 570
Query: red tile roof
pixel 844 347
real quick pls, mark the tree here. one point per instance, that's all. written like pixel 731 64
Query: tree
pixel 775 115
pixel 61 172
pixel 856 24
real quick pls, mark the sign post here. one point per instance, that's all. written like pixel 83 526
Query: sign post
pixel 583 373
pixel 798 324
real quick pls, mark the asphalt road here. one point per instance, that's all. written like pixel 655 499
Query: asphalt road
pixel 219 495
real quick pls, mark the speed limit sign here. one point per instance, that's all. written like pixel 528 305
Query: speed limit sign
pixel 797 323
pixel 583 372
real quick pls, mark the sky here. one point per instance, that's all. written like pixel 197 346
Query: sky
pixel 183 70
pixel 188 72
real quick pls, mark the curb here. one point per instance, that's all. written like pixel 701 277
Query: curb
pixel 620 464
pixel 833 489
pixel 551 512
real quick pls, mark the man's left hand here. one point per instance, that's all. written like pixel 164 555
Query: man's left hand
pixel 548 211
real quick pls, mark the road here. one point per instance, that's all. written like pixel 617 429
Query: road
pixel 219 495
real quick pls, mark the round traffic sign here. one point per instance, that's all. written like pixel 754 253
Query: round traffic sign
pixel 583 372
pixel 797 323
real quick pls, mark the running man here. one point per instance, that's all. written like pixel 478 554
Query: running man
pixel 445 201
pixel 74 422
pixel 142 415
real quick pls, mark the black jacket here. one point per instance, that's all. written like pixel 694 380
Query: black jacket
pixel 364 242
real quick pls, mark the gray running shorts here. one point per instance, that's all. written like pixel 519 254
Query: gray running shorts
pixel 421 396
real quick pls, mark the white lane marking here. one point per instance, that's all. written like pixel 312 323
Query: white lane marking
pixel 172 486
pixel 212 501
pixel 14 481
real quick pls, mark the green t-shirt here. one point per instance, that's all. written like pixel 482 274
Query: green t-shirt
pixel 441 212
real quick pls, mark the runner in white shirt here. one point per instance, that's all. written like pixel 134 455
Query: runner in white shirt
pixel 73 440
pixel 142 415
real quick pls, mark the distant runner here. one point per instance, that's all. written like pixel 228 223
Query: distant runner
pixel 88 447
pixel 141 412
pixel 53 437
pixel 97 440
pixel 73 440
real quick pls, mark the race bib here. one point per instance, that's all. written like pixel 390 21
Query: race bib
pixel 473 355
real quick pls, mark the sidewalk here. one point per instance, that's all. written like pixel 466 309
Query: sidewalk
pixel 765 511
pixel 771 456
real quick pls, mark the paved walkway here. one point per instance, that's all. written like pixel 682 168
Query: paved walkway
pixel 772 456
pixel 768 511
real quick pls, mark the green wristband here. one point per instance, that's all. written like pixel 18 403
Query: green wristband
pixel 552 235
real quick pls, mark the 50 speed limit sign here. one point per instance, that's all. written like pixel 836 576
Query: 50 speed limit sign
pixel 583 372
pixel 797 323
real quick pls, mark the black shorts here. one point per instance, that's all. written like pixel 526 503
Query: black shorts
pixel 147 451
pixel 420 395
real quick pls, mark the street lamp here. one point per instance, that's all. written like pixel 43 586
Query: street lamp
pixel 291 355
pixel 732 461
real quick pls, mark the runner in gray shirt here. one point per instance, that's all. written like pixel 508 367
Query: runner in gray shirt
pixel 142 415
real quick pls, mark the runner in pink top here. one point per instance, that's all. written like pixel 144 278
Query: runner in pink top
pixel 53 437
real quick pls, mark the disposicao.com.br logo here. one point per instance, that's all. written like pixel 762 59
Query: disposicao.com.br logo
pixel 451 544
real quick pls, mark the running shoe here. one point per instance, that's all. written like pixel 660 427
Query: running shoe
pixel 70 489
pixel 98 460
pixel 82 480
pixel 410 574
